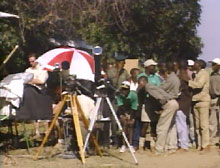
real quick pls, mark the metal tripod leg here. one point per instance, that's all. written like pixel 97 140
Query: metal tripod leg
pixel 91 125
pixel 58 111
pixel 77 127
pixel 120 128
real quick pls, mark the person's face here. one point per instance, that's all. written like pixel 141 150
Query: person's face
pixel 125 92
pixel 141 83
pixel 120 64
pixel 135 74
pixel 32 62
pixel 190 68
pixel 196 67
pixel 215 67
pixel 164 75
pixel 151 69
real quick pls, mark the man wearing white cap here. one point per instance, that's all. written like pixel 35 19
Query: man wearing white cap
pixel 153 79
pixel 127 102
pixel 214 93
pixel 150 72
pixel 190 72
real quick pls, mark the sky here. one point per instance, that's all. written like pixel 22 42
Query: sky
pixel 209 29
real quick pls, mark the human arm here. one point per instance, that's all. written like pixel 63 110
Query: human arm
pixel 158 93
pixel 199 81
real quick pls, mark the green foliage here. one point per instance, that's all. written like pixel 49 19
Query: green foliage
pixel 160 29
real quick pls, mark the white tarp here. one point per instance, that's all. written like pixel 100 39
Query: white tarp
pixel 11 90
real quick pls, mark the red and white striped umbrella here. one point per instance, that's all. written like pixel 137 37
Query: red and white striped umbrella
pixel 81 63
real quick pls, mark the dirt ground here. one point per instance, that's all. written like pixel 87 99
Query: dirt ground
pixel 113 159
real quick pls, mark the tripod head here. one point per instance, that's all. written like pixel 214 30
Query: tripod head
pixel 105 88
pixel 73 85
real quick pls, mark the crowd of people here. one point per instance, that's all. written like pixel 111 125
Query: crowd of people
pixel 169 106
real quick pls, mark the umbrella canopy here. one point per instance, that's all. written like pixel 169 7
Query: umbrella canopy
pixel 81 63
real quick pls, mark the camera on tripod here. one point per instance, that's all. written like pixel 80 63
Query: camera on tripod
pixel 71 83
pixel 75 85
pixel 106 88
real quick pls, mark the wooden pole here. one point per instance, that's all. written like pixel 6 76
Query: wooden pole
pixel 8 57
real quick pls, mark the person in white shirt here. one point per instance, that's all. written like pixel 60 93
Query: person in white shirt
pixel 40 75
pixel 36 105
pixel 133 79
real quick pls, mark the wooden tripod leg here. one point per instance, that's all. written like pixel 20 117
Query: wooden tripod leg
pixel 77 128
pixel 86 124
pixel 57 113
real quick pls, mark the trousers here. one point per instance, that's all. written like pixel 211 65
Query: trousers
pixel 136 134
pixel 182 130
pixel 166 132
pixel 201 112
pixel 213 119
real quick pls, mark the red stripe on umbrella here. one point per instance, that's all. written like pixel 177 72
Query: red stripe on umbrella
pixel 64 56
pixel 82 63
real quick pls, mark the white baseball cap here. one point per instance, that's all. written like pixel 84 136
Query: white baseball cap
pixel 190 62
pixel 216 60
pixel 125 85
pixel 149 62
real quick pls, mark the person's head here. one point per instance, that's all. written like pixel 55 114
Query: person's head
pixel 134 73
pixel 199 64
pixel 120 60
pixel 183 65
pixel 32 60
pixel 142 81
pixel 161 66
pixel 215 64
pixel 125 88
pixel 120 64
pixel 162 69
pixel 150 66
pixel 170 67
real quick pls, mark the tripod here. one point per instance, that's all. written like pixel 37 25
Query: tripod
pixel 75 108
pixel 91 126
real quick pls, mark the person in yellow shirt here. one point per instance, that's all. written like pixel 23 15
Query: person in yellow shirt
pixel 201 101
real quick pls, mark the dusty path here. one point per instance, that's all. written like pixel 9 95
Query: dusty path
pixel 191 159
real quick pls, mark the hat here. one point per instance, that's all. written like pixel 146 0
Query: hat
pixel 149 62
pixel 125 85
pixel 120 56
pixel 190 62
pixel 216 61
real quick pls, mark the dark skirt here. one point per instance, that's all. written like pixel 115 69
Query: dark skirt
pixel 36 105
